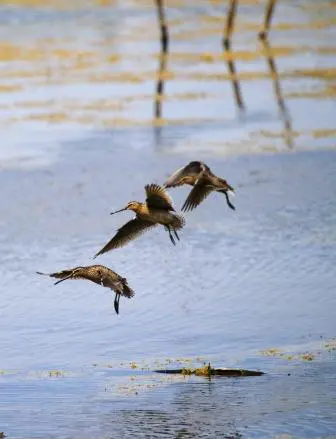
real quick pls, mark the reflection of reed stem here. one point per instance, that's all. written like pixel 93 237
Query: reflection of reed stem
pixel 230 23
pixel 233 74
pixel 163 57
pixel 227 47
pixel 288 133
pixel 268 17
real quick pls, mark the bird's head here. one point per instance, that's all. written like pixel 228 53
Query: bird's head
pixel 226 186
pixel 132 205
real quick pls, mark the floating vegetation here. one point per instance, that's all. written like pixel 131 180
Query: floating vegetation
pixel 55 373
pixel 315 134
pixel 184 360
pixel 7 372
pixel 300 356
pixel 327 92
pixel 331 345
pixel 307 356
pixel 52 373
pixel 271 352
pixel 208 371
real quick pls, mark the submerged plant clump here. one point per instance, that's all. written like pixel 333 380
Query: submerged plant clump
pixel 199 371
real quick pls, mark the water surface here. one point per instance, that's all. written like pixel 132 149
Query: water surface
pixel 79 140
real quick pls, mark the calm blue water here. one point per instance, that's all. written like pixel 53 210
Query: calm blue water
pixel 237 283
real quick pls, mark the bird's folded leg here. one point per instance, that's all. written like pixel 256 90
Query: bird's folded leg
pixel 116 302
pixel 171 236
pixel 175 233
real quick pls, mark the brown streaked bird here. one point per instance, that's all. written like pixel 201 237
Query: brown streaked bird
pixel 199 175
pixel 98 274
pixel 157 209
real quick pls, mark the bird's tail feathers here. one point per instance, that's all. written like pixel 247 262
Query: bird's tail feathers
pixel 127 290
pixel 179 221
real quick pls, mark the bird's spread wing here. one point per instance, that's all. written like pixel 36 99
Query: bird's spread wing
pixel 126 233
pixel 158 197
pixel 193 169
pixel 199 192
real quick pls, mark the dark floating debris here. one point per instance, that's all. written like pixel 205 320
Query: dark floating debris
pixel 208 371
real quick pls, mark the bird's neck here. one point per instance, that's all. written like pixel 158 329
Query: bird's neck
pixel 141 209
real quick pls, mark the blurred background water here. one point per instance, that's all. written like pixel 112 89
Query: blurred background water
pixel 249 288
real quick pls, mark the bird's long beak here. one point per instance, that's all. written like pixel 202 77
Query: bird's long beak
pixel 117 211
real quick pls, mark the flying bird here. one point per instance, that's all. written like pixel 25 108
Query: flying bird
pixel 199 175
pixel 157 209
pixel 98 274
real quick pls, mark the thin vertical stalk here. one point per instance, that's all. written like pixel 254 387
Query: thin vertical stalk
pixel 164 39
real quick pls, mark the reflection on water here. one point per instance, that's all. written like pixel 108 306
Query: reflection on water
pixel 163 58
pixel 288 131
pixel 229 54
pixel 76 111
pixel 95 66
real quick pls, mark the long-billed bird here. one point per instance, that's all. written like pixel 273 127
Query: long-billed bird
pixel 157 209
pixel 98 274
pixel 199 175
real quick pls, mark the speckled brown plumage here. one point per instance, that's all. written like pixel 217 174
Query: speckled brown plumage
pixel 157 209
pixel 199 175
pixel 98 274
